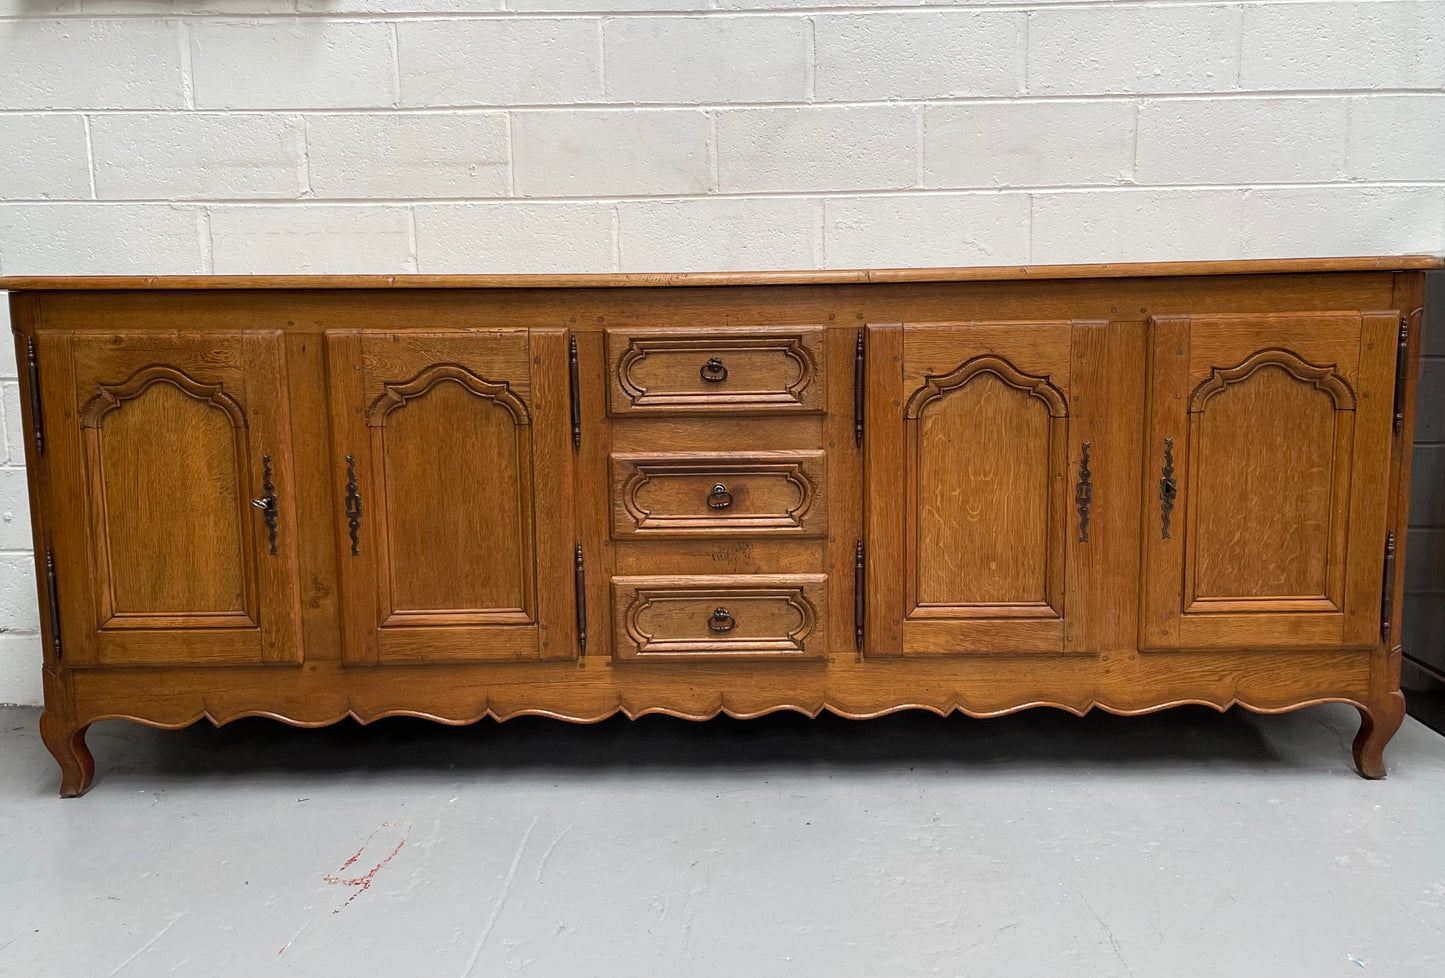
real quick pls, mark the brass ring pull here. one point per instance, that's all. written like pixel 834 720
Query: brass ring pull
pixel 721 621
pixel 713 371
pixel 719 498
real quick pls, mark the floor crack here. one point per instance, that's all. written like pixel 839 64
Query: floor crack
pixel 501 899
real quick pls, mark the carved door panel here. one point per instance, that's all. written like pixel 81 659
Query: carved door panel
pixel 971 514
pixel 1267 458
pixel 453 481
pixel 174 532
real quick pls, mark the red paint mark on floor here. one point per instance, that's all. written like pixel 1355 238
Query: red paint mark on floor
pixel 363 882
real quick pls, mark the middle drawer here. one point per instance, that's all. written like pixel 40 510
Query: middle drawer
pixel 719 494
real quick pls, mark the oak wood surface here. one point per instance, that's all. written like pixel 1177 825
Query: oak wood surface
pixel 720 493
pixel 986 502
pixel 1279 449
pixel 670 279
pixel 722 370
pixel 702 616
pixel 455 405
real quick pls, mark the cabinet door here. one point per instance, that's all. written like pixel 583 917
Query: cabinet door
pixel 970 522
pixel 174 530
pixel 1265 497
pixel 453 482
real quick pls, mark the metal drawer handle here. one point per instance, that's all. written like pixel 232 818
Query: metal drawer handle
pixel 713 371
pixel 721 621
pixel 719 498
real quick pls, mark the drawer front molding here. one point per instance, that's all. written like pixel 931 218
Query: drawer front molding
pixel 774 616
pixel 719 371
pixel 719 494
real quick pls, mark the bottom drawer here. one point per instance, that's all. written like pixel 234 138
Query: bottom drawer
pixel 764 615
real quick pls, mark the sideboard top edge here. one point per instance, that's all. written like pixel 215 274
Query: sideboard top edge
pixel 606 280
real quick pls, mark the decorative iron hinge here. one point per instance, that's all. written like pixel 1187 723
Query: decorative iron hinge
pixel 1168 488
pixel 580 584
pixel 1084 491
pixel 1402 361
pixel 858 386
pixel 1387 599
pixel 267 503
pixel 859 601
pixel 353 506
pixel 576 393
pixel 37 421
pixel 52 593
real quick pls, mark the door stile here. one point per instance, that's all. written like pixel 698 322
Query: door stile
pixel 1085 570
pixel 70 522
pixel 1165 446
pixel 269 433
pixel 1374 440
pixel 354 496
pixel 555 519
pixel 883 485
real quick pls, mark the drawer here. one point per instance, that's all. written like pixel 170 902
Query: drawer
pixel 771 616
pixel 723 371
pixel 719 494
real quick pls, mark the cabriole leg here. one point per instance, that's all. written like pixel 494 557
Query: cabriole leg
pixel 66 740
pixel 1377 725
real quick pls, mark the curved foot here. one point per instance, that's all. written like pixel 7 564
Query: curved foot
pixel 66 742
pixel 1377 726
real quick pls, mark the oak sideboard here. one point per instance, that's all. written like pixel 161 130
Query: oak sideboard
pixel 978 490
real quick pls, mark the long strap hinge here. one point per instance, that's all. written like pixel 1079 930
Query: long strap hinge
pixel 859 379
pixel 573 386
pixel 37 420
pixel 1402 361
pixel 859 601
pixel 580 586
pixel 52 594
pixel 1387 599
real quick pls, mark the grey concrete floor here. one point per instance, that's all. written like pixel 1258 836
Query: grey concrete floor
pixel 1184 843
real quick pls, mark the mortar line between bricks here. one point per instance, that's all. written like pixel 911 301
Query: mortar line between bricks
pixel 274 202
pixel 711 13
pixel 90 157
pixel 629 106
pixel 187 69
pixel 509 134
pixel 411 253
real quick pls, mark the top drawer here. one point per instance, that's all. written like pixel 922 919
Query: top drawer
pixel 716 371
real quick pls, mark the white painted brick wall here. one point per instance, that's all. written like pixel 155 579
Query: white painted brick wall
pixel 499 62
pixel 155 136
pixel 835 147
pixel 196 155
pixel 371 154
pixel 314 240
pixel 1259 140
pixel 942 53
pixel 285 64
pixel 718 60
pixel 611 154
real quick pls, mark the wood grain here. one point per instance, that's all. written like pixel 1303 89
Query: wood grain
pixel 1275 381
pixel 1273 266
pixel 696 494
pixel 718 370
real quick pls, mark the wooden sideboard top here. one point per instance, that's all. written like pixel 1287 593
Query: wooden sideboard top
pixel 999 273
